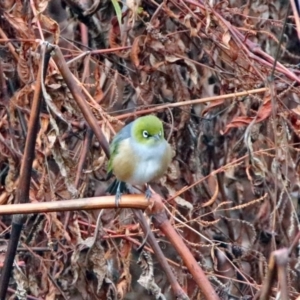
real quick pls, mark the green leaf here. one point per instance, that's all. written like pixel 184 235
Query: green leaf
pixel 118 11
pixel 140 10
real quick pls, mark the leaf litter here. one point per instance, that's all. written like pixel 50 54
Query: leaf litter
pixel 242 152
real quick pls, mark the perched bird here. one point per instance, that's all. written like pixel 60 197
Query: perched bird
pixel 139 153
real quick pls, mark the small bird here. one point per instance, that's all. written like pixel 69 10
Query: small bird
pixel 139 153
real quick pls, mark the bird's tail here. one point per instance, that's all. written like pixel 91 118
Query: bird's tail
pixel 113 187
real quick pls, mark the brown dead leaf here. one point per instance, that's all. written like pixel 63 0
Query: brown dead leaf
pixel 135 50
pixel 51 27
pixel 114 34
pixel 51 295
pixel 263 113
pixel 215 195
pixel 19 24
pixel 226 37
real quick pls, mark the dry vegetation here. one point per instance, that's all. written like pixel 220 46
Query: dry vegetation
pixel 232 189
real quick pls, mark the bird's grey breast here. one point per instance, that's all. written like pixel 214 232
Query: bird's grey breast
pixel 149 161
pixel 147 152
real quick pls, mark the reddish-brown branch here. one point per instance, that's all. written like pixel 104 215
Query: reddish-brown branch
pixel 278 262
pixel 161 221
pixel 22 192
pixel 127 201
pixel 177 290
pixel 79 98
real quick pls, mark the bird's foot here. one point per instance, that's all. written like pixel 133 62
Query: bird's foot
pixel 148 193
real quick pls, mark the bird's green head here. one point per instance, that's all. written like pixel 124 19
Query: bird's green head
pixel 148 130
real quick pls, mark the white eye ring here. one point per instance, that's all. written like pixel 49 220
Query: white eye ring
pixel 145 134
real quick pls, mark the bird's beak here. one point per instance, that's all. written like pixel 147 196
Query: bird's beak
pixel 157 137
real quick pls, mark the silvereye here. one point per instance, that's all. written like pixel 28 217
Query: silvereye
pixel 139 153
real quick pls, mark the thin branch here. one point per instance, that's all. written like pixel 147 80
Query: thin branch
pixel 79 98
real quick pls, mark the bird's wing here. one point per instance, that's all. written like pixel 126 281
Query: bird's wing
pixel 123 134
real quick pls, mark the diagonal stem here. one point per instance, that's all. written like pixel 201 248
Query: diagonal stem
pixel 22 192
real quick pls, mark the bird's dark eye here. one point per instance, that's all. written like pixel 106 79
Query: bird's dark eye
pixel 145 134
